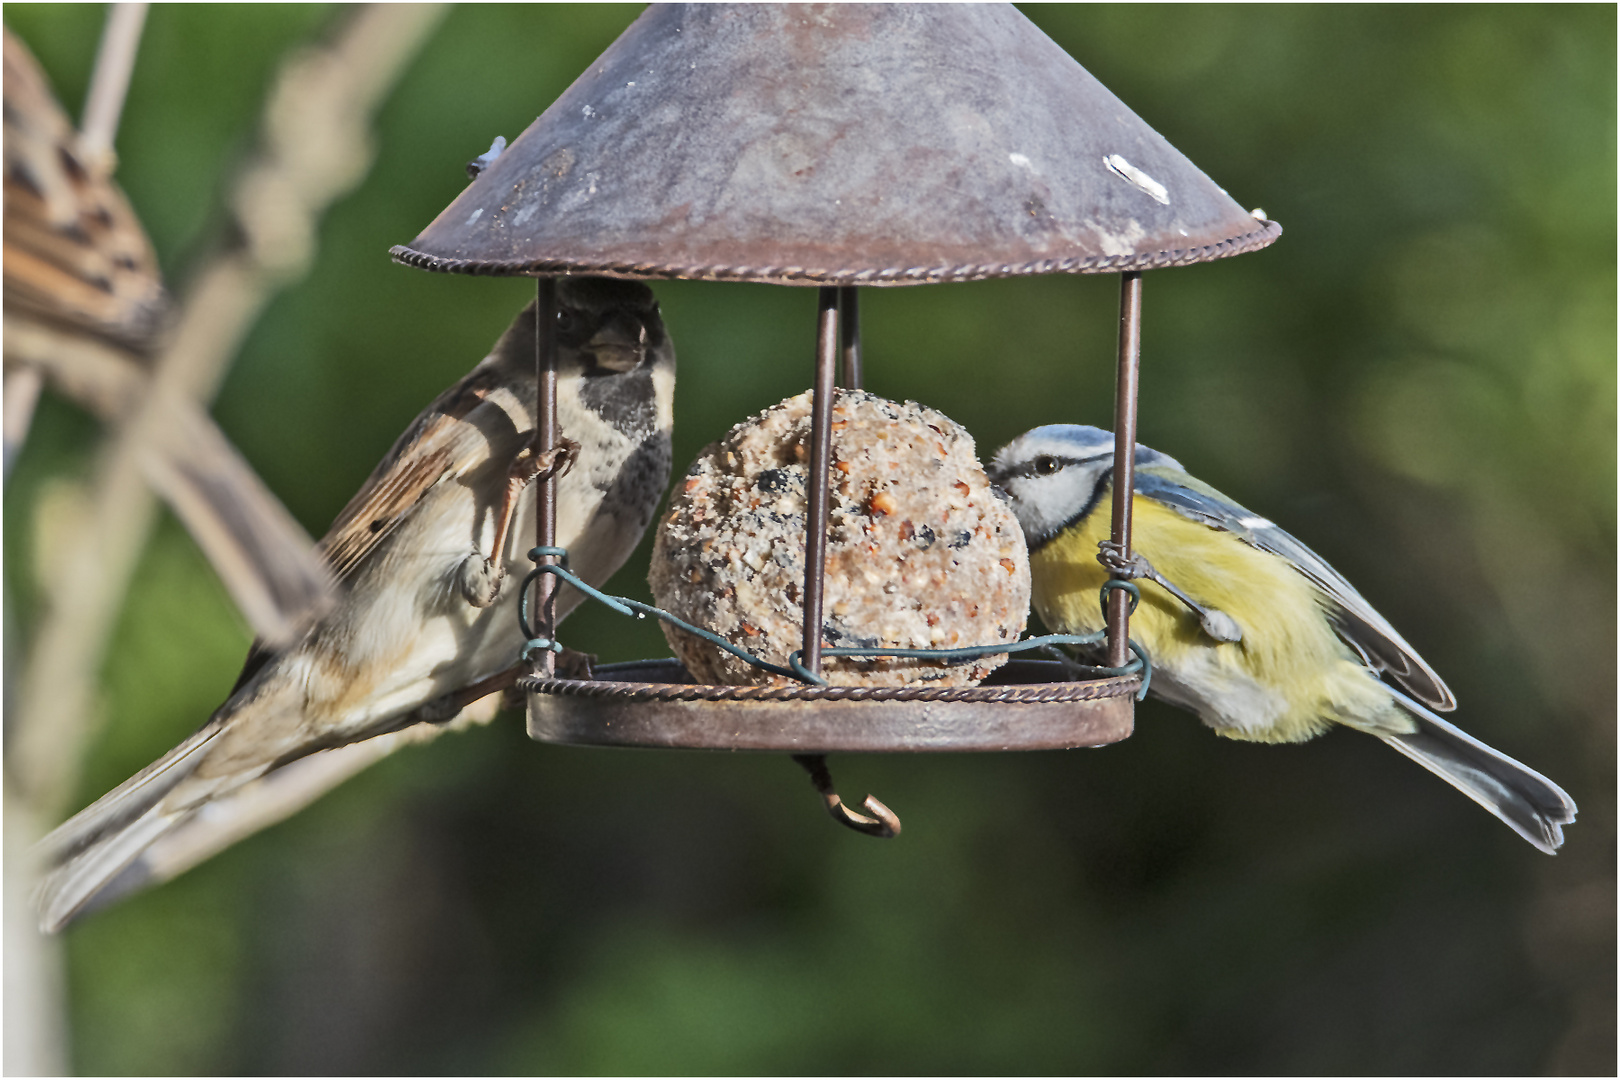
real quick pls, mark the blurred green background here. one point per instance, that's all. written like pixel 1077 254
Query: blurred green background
pixel 1418 380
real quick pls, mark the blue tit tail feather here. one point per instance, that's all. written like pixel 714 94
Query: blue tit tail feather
pixel 1529 803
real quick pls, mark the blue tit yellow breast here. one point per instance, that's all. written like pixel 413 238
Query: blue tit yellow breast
pixel 1287 679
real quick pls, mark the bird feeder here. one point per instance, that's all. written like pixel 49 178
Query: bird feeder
pixel 836 146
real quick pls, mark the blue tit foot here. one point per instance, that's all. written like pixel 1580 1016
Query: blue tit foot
pixel 1112 557
pixel 1216 623
pixel 487 158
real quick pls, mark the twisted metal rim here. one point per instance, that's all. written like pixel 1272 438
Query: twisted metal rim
pixel 1022 693
pixel 799 275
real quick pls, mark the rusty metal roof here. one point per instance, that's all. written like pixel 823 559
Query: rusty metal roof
pixel 881 144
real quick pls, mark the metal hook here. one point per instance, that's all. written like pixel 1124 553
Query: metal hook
pixel 884 823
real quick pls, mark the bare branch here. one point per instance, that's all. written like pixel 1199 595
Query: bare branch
pixel 316 146
pixel 115 62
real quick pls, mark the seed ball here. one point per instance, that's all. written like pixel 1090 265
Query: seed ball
pixel 920 552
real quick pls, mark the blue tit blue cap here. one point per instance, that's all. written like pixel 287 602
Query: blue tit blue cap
pixel 1084 441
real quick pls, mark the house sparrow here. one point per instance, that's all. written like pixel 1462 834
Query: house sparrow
pixel 427 621
pixel 86 310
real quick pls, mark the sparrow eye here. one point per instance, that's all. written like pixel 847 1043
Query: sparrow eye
pixel 1045 465
pixel 566 321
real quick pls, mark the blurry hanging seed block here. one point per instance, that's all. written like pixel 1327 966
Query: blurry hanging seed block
pixel 920 553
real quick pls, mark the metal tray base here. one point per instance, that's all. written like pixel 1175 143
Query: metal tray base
pixel 654 703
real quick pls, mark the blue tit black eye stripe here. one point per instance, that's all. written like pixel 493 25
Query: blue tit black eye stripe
pixel 1034 467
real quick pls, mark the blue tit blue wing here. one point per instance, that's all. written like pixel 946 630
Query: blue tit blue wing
pixel 1362 628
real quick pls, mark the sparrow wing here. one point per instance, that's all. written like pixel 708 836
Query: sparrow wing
pixel 437 445
pixel 1361 627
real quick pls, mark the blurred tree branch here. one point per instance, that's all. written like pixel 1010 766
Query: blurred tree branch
pixel 315 146
pixel 115 61
pixel 35 1012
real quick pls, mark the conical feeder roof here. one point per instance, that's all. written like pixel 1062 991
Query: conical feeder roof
pixel 854 144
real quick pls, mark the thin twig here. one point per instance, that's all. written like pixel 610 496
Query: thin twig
pixel 35 999
pixel 115 62
pixel 22 387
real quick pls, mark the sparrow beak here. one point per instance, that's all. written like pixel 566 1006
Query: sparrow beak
pixel 620 344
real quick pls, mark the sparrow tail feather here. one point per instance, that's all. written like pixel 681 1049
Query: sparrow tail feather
pixel 69 888
pixel 128 801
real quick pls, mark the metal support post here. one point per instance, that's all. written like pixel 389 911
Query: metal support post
pixel 1125 390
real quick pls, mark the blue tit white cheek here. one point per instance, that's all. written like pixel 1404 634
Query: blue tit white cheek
pixel 1284 682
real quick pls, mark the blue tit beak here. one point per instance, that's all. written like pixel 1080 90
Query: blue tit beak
pixel 996 476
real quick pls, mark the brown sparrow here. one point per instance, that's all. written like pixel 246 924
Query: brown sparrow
pixel 427 621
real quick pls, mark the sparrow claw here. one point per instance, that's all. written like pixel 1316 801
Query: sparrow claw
pixel 479 579
pixel 444 709
pixel 556 462
pixel 572 664
pixel 438 711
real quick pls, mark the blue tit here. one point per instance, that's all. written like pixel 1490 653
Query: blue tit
pixel 1246 627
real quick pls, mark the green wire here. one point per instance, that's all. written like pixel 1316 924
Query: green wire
pixel 535 642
